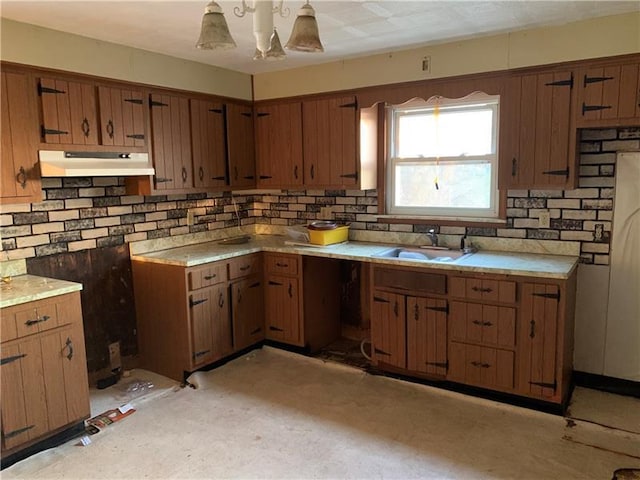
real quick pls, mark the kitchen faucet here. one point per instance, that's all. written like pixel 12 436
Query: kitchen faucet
pixel 433 237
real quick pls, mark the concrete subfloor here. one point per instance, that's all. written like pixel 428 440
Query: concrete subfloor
pixel 274 414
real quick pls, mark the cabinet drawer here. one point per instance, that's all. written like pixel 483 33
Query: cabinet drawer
pixel 410 280
pixel 39 316
pixel 486 367
pixel 486 324
pixel 282 264
pixel 483 289
pixel 245 266
pixel 207 275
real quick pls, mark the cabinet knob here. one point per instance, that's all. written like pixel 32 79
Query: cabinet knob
pixel 69 344
pixel 21 177
pixel 85 127
pixel 110 128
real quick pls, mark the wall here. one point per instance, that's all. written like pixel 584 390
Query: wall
pixel 31 45
pixel 600 37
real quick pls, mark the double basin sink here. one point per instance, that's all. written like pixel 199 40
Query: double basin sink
pixel 426 254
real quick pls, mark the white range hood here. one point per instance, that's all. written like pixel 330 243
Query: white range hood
pixel 56 163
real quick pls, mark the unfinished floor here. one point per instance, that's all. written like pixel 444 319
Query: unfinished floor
pixel 274 414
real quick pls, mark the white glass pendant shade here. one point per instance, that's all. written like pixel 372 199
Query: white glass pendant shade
pixel 305 36
pixel 215 31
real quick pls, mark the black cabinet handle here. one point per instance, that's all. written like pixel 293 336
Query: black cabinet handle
pixel 163 180
pixel 514 168
pixel 209 277
pixel 221 301
pixel 193 303
pixel 245 268
pixel 85 127
pixel 200 173
pixel 416 312
pixel 17 432
pixel 278 264
pixel 41 319
pixel 184 174
pixel 395 309
pixel 271 282
pixel 69 344
pixel 276 329
pixel 221 177
pixel 482 290
pixel 265 177
pixel 532 329
pixel 110 128
pixel 477 322
pixel 290 291
pixel 21 177
pixel 200 353
pixel 295 172
pixel 13 358
pixel 313 172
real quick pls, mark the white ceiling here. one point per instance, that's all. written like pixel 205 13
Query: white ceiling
pixel 347 28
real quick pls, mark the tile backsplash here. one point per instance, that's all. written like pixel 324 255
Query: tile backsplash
pixel 85 213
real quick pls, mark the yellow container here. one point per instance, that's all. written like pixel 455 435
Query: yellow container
pixel 329 237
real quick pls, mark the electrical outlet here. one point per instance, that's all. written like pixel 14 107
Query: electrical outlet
pixel 190 217
pixel 598 233
pixel 426 64
pixel 326 213
pixel 114 356
pixel 544 219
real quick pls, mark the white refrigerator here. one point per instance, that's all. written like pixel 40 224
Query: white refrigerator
pixel 622 333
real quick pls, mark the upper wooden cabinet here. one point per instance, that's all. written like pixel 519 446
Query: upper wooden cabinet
pixel 209 144
pixel 69 112
pixel 171 142
pixel 279 145
pixel 608 95
pixel 122 117
pixel 240 146
pixel 19 155
pixel 537 137
pixel 330 142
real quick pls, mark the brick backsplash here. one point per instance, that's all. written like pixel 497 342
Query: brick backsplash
pixel 85 213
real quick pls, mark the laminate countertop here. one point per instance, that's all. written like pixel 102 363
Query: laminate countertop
pixel 27 288
pixel 506 263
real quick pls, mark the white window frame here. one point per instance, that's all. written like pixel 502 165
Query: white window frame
pixel 478 100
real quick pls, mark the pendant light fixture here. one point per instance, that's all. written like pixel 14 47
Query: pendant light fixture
pixel 304 36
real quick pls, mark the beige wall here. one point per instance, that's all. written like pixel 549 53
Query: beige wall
pixel 32 45
pixel 606 36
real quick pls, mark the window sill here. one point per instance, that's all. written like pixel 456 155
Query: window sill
pixel 447 221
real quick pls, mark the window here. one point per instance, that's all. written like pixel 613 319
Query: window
pixel 443 158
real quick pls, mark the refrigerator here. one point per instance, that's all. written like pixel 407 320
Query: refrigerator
pixel 622 333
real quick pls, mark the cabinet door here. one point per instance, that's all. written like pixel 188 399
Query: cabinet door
pixel 427 335
pixel 538 339
pixel 248 312
pixel 241 146
pixel 210 325
pixel 279 145
pixel 24 401
pixel 486 324
pixel 69 112
pixel 485 367
pixel 609 93
pixel 122 117
pixel 171 142
pixel 537 141
pixel 19 154
pixel 388 329
pixel 209 144
pixel 283 315
pixel 330 139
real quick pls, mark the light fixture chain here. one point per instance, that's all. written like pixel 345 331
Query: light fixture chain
pixel 284 12
pixel 245 8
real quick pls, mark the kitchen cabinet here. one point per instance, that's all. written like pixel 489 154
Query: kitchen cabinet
pixel 122 117
pixel 608 94
pixel 208 144
pixel 171 142
pixel 330 142
pixel 211 337
pixel 388 329
pixel 247 300
pixel 241 146
pixel 537 133
pixel 283 300
pixel 539 335
pixel 45 388
pixel 69 112
pixel 409 324
pixel 279 145
pixel 19 160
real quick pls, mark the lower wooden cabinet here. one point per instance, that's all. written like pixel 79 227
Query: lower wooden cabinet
pixel 190 317
pixel 504 333
pixel 44 372
pixel 283 309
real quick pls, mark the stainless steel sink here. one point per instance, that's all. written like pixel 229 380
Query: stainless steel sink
pixel 422 254
pixel 235 240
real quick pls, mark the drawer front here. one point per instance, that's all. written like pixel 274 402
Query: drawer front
pixel 411 281
pixel 30 318
pixel 502 291
pixel 485 367
pixel 486 324
pixel 282 264
pixel 207 275
pixel 245 266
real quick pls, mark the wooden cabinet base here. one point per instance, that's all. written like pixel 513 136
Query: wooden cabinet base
pixel 56 438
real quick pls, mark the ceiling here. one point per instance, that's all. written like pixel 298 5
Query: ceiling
pixel 347 28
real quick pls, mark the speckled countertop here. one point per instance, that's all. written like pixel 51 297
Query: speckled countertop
pixel 522 264
pixel 26 288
